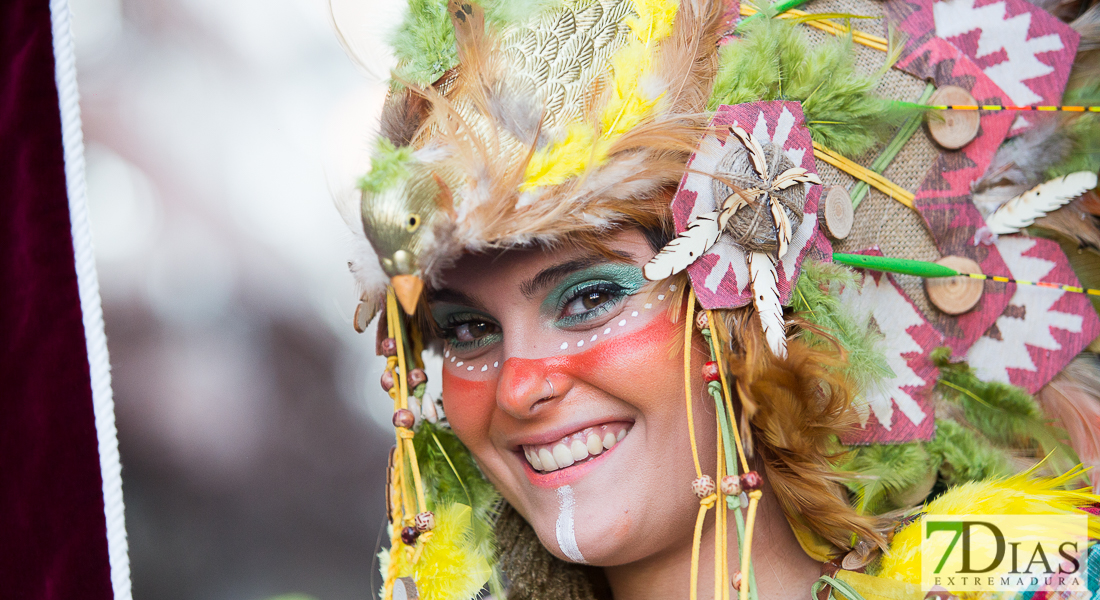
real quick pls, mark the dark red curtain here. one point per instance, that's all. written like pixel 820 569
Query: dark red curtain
pixel 52 529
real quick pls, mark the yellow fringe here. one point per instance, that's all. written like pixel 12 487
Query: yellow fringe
pixel 872 179
pixel 717 347
pixel 859 37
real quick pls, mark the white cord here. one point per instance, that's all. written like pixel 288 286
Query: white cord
pixel 88 283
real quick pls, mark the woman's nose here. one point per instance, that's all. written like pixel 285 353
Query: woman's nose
pixel 525 385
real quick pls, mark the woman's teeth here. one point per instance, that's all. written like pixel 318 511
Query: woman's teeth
pixel 575 448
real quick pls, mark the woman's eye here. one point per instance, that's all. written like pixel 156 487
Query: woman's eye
pixel 471 331
pixel 594 299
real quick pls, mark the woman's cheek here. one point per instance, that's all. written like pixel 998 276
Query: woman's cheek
pixel 468 405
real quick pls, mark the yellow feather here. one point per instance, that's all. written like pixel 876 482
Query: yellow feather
pixel 450 567
pixel 627 107
pixel 1020 494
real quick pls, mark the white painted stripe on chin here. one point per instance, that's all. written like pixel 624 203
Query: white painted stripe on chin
pixel 567 536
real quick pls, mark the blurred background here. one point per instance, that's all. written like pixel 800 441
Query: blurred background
pixel 252 428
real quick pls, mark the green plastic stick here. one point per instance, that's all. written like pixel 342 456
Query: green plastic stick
pixel 902 266
pixel 779 7
pixel 893 148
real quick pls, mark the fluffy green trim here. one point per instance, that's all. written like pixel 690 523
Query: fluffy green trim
pixel 388 165
pixel 774 60
pixel 966 456
pixel 816 300
pixel 890 476
pixel 424 43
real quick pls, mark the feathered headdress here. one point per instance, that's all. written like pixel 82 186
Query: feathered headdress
pixel 516 124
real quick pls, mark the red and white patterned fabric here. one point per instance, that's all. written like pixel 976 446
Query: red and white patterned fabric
pixel 900 408
pixel 721 276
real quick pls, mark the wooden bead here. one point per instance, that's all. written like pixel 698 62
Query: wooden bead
pixel 735 581
pixel 409 535
pixel 425 521
pixel 858 557
pixel 389 347
pixel 404 418
pixel 702 321
pixel 836 214
pixel 731 485
pixel 405 589
pixel 417 377
pixel 751 481
pixel 953 129
pixel 387 380
pixel 955 295
pixel 704 486
pixel 711 372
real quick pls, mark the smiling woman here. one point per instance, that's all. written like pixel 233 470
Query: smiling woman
pixel 649 367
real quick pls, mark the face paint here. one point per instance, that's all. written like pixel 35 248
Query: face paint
pixel 475 395
pixel 565 528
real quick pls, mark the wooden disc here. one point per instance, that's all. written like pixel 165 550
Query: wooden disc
pixel 953 129
pixel 955 295
pixel 836 214
pixel 405 589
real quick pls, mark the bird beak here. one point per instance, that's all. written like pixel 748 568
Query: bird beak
pixel 407 288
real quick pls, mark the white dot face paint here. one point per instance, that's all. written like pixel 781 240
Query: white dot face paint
pixel 565 528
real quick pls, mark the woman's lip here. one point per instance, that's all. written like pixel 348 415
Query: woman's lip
pixel 560 433
pixel 560 477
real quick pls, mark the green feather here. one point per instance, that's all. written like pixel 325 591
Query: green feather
pixel 775 60
pixel 388 165
pixel 816 300
pixel 965 455
pixel 890 476
pixel 1003 413
pixel 424 42
pixel 1083 132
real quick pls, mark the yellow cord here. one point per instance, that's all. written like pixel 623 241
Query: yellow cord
pixel 862 173
pixel 746 554
pixel 859 37
pixel 704 505
pixel 689 323
pixel 401 384
pixel 717 349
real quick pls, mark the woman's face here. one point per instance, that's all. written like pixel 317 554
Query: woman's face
pixel 563 375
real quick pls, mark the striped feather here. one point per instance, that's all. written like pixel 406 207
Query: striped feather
pixel 765 297
pixel 685 249
pixel 1022 210
pixel 756 151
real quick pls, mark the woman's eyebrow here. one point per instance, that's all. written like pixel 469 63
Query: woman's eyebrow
pixel 551 275
pixel 454 297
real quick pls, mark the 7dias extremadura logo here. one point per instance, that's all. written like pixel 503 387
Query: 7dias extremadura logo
pixel 975 553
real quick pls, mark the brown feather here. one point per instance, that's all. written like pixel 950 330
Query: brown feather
pixel 1074 222
pixel 402 115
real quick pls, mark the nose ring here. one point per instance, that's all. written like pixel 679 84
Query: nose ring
pixel 552 392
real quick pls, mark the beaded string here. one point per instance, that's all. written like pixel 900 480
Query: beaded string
pixel 703 485
pixel 731 486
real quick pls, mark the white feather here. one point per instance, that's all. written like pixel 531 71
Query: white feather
pixel 756 151
pixel 782 227
pixel 735 202
pixel 1022 210
pixel 765 297
pixel 792 176
pixel 699 236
